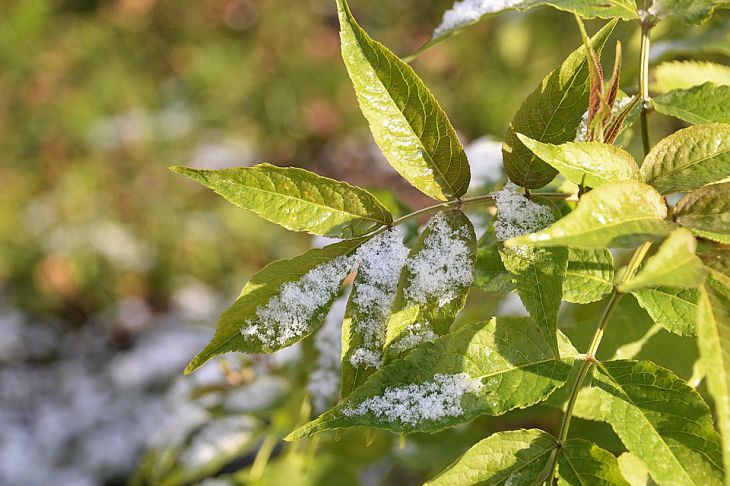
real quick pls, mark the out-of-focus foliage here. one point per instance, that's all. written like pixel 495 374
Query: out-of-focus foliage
pixel 110 266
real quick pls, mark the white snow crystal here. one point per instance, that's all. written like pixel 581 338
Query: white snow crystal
pixel 218 438
pixel 416 334
pixel 517 215
pixel 380 261
pixel 286 316
pixel 442 266
pixel 467 12
pixel 411 404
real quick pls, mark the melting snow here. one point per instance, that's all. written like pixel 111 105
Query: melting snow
pixel 411 404
pixel 467 12
pixel 324 381
pixel 517 215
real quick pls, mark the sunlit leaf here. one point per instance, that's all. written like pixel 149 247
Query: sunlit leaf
pixel 550 114
pixel 689 11
pixel 515 457
pixel 706 103
pixel 283 303
pixel 706 212
pixel 489 272
pixel 675 264
pixel 481 368
pixel 589 163
pixel 713 340
pixel 407 122
pixel 661 420
pixel 675 75
pixel 615 214
pixel 689 159
pixel 433 283
pixel 297 199
pixel 673 308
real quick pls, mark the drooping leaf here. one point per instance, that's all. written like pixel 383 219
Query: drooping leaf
pixel 464 14
pixel 713 341
pixel 672 308
pixel 706 103
pixel 589 276
pixel 592 163
pixel 481 368
pixel 283 303
pixel 550 114
pixel 433 283
pixel 688 11
pixel 489 272
pixel 661 420
pixel 297 199
pixel 580 462
pixel 689 158
pixel 373 291
pixel 676 75
pixel 538 274
pixel 616 214
pixel 409 126
pixel 516 457
pixel 706 212
pixel 675 264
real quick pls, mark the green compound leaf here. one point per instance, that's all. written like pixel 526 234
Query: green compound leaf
pixel 538 274
pixel 688 11
pixel 296 199
pixel 581 462
pixel 589 276
pixel 589 163
pixel 661 420
pixel 409 126
pixel 433 283
pixel 489 272
pixel 706 103
pixel 675 263
pixel 516 457
pixel 550 114
pixel 466 14
pixel 713 341
pixel 481 368
pixel 676 75
pixel 672 308
pixel 617 214
pixel 706 212
pixel 283 303
pixel 689 159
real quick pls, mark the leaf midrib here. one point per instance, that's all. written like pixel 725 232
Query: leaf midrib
pixel 662 177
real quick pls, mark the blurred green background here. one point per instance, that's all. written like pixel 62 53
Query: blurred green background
pixel 113 270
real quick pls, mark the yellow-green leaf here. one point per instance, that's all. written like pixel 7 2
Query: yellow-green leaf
pixel 581 462
pixel 706 212
pixel 673 75
pixel 675 264
pixel 707 103
pixel 615 214
pixel 589 277
pixel 408 124
pixel 297 199
pixel 672 308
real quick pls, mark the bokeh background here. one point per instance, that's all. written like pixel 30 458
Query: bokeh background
pixel 113 270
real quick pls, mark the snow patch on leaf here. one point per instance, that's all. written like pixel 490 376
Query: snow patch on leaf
pixel 517 215
pixel 411 404
pixel 443 266
pixel 467 12
pixel 324 381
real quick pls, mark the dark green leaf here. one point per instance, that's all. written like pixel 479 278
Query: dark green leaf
pixel 661 420
pixel 481 368
pixel 408 124
pixel 515 457
pixel 551 114
pixel 581 462
pixel 689 159
pixel 706 212
pixel 297 199
pixel 283 303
